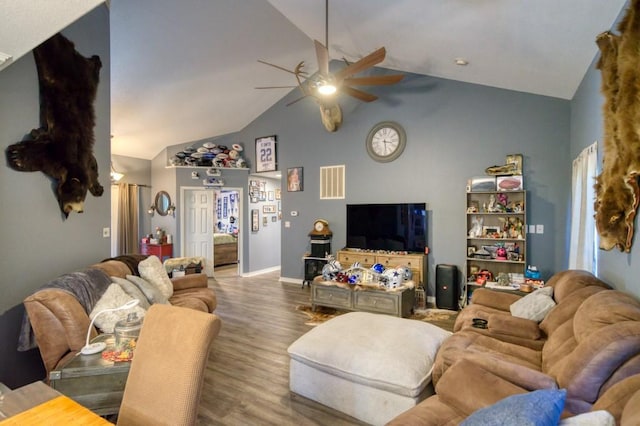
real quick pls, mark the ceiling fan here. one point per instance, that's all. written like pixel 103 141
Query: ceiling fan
pixel 324 85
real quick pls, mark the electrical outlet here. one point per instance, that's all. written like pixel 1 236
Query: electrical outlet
pixel 106 232
pixel 540 229
pixel 287 224
pixel 532 229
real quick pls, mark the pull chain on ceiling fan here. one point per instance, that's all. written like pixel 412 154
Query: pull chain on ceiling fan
pixel 325 86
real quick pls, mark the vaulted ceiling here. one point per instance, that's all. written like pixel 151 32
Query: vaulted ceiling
pixel 186 70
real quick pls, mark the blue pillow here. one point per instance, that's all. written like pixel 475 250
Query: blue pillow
pixel 538 408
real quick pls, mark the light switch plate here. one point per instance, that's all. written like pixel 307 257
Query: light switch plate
pixel 106 232
pixel 540 229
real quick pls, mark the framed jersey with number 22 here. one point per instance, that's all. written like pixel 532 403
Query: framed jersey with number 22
pixel 266 154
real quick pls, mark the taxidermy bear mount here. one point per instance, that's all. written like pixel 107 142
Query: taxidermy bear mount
pixel 62 147
pixel 617 189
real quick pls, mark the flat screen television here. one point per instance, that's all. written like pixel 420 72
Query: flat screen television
pixel 392 227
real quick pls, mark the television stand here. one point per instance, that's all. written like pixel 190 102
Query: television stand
pixel 367 258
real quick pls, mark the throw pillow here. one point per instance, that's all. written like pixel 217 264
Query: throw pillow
pixel 534 306
pixel 113 297
pixel 593 418
pixel 151 269
pixel 132 290
pixel 151 292
pixel 538 408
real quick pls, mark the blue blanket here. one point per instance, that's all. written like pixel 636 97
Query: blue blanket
pixel 87 286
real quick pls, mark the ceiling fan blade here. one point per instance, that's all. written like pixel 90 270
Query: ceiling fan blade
pixel 297 72
pixel 275 87
pixel 375 80
pixel 322 53
pixel 297 100
pixel 359 94
pixel 367 62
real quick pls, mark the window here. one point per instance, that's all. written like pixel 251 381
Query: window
pixel 583 245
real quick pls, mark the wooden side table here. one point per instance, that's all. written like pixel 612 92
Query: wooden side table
pixel 160 250
pixel 92 381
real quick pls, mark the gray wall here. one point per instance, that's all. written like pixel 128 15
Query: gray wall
pixel 263 250
pixel 37 243
pixel 454 130
pixel 163 179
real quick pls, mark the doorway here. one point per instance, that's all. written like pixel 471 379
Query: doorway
pixel 226 231
pixel 199 224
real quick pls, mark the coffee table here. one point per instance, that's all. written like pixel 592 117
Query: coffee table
pixel 91 381
pixel 399 302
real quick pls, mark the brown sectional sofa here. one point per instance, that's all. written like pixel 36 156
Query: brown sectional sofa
pixel 59 322
pixel 588 344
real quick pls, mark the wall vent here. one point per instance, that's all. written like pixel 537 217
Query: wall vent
pixel 332 182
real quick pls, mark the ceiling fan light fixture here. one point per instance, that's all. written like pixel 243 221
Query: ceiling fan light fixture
pixel 115 175
pixel 327 89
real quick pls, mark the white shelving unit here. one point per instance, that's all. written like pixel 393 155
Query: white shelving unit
pixel 491 225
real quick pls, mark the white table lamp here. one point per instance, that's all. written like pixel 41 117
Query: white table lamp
pixel 94 348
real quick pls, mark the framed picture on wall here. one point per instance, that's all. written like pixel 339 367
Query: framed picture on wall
pixel 266 154
pixel 255 220
pixel 295 179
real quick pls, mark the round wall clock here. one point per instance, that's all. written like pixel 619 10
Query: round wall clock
pixel 386 141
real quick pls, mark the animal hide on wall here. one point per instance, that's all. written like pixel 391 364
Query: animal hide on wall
pixel 617 190
pixel 62 147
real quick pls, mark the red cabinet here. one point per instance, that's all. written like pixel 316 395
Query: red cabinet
pixel 160 250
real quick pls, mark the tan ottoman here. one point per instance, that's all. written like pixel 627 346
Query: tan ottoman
pixel 369 366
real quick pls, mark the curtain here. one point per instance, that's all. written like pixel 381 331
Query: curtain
pixel 128 218
pixel 582 245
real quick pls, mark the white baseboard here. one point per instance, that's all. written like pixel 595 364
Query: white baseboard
pixel 287 280
pixel 259 272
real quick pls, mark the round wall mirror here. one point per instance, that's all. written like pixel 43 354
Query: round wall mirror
pixel 163 201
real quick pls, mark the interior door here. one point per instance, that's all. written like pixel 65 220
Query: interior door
pixel 198 226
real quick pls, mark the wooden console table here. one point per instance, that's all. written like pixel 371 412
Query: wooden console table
pixel 415 262
pixel 160 250
pixel 399 303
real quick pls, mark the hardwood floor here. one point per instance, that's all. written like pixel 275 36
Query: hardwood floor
pixel 247 378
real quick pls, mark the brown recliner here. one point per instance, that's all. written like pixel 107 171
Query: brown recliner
pixel 59 322
pixel 570 289
pixel 591 343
